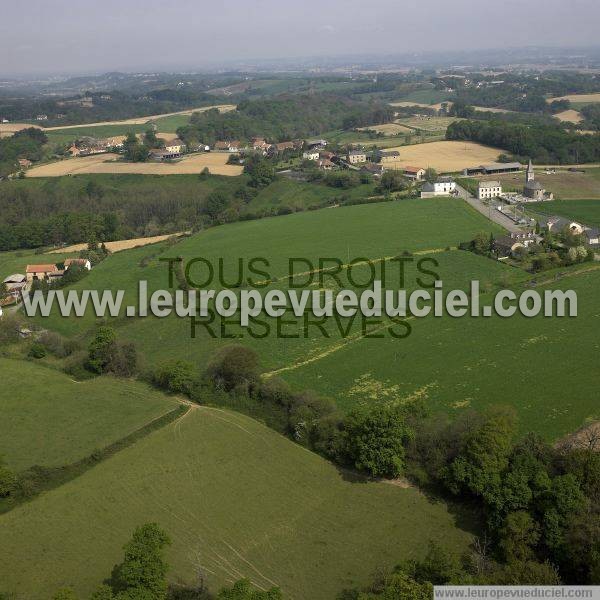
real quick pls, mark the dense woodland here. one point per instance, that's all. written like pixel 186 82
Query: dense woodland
pixel 284 118
pixel 543 144
pixel 27 143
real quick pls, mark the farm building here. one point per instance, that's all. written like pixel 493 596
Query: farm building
pixel 40 271
pixel 592 236
pixel 444 186
pixel 356 156
pixel 325 164
pixel 488 189
pixel 416 173
pixel 174 147
pixel 494 169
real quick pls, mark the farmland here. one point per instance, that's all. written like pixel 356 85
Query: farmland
pixel 387 129
pixel 108 163
pixel 66 420
pixel 569 116
pixel 578 99
pixel 445 156
pixel 237 499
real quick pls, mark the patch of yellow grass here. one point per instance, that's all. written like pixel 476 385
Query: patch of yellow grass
pixel 387 129
pixel 108 163
pixel 577 98
pixel 7 129
pixel 144 120
pixel 569 116
pixel 119 244
pixel 446 156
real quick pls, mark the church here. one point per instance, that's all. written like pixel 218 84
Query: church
pixel 533 190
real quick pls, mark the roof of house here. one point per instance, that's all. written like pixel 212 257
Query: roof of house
pixel 413 169
pixel 41 268
pixel 489 184
pixel 173 142
pixel 428 187
pixel 356 153
pixel 445 180
pixel 592 232
pixel 75 261
pixel 14 278
pixel 499 166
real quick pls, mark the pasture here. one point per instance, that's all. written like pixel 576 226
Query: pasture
pixel 532 364
pixel 387 129
pixel 51 420
pixel 109 163
pixel 445 156
pixel 238 500
pixel 578 99
pixel 430 125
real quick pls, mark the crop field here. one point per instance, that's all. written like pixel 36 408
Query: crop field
pixel 108 163
pixel 51 420
pixel 578 98
pixel 569 116
pixel 7 129
pixel 237 499
pixel 563 184
pixel 446 156
pixel 119 245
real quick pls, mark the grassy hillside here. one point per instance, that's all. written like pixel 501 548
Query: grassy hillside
pixel 237 499
pixel 48 419
pixel 545 368
pixel 585 211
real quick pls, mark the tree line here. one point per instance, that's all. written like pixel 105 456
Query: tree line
pixel 541 143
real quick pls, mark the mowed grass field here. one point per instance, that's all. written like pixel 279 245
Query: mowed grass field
pixel 563 184
pixel 445 156
pixel 51 420
pixel 238 500
pixel 578 98
pixel 108 163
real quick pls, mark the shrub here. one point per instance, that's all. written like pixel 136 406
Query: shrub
pixel 234 366
pixel 175 376
pixel 36 350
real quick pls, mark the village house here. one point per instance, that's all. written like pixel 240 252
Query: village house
pixel 376 169
pixel 174 147
pixel 222 146
pixel 388 156
pixel 40 271
pixel 488 189
pixel 357 156
pixel 558 224
pixel 310 155
pixel 282 146
pixel 444 186
pixel 508 245
pixel 325 164
pixel 414 173
pixel 24 163
pixel 80 262
pixel 592 236
pixel 259 144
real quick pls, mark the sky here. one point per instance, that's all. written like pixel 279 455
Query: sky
pixel 90 36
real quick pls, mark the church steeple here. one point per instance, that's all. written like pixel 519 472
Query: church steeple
pixel 530 172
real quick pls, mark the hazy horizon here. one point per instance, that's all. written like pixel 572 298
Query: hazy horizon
pixel 62 37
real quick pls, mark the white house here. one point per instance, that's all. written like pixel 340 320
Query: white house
pixel 416 173
pixel 444 186
pixel 311 155
pixel 488 189
pixel 356 156
pixel 174 146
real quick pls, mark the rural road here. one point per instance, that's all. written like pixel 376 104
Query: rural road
pixel 494 215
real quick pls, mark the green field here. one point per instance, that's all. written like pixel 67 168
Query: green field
pixel 585 211
pixel 51 420
pixel 237 499
pixel 543 367
pixel 426 96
